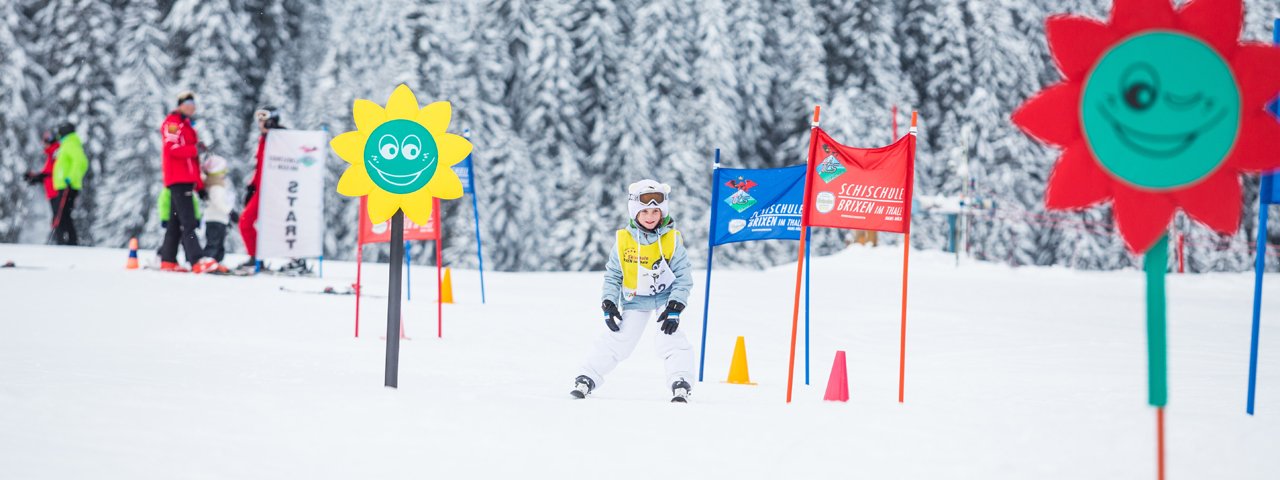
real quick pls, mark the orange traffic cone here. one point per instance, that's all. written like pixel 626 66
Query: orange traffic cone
pixel 838 384
pixel 738 368
pixel 132 263
pixel 446 288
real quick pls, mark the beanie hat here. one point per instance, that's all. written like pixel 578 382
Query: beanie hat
pixel 647 194
pixel 214 165
pixel 186 97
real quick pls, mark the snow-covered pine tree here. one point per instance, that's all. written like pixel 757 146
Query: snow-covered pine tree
pixel 20 77
pixel 129 188
pixel 795 47
pixel 508 200
pixel 749 35
pixel 665 39
pixel 79 38
pixel 599 42
pixel 552 126
pixel 212 40
pixel 935 55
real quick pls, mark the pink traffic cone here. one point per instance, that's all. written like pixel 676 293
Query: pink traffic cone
pixel 838 384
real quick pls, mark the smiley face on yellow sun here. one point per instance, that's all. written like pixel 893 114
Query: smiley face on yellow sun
pixel 400 156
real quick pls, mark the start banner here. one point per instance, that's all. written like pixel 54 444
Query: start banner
pixel 291 195
pixel 860 188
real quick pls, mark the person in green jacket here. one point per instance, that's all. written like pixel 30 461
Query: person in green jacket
pixel 69 167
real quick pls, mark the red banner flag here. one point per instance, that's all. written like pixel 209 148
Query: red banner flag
pixel 381 233
pixel 860 188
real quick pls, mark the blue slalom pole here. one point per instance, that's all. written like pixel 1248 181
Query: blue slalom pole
pixel 711 250
pixel 408 277
pixel 1260 260
pixel 322 266
pixel 808 241
pixel 1259 265
pixel 475 209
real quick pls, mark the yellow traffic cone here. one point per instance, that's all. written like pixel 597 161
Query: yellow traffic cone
pixel 738 369
pixel 446 288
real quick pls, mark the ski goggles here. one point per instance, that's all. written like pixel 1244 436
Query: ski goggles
pixel 652 198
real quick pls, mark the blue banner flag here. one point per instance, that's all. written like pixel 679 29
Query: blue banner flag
pixel 463 169
pixel 757 204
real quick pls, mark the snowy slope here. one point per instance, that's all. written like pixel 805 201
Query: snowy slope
pixel 1012 373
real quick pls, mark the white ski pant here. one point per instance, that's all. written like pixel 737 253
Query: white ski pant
pixel 613 347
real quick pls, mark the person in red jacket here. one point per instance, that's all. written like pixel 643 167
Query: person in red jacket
pixel 180 155
pixel 46 173
pixel 268 118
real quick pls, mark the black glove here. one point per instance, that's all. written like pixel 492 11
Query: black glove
pixel 33 178
pixel 164 224
pixel 611 315
pixel 235 216
pixel 670 318
pixel 203 194
pixel 248 194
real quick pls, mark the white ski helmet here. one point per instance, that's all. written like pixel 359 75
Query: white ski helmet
pixel 647 194
pixel 214 165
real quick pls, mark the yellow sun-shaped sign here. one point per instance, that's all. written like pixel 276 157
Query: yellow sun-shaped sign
pixel 400 156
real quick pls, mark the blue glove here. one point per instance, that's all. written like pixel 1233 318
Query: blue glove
pixel 68 180
pixel 670 318
pixel 611 315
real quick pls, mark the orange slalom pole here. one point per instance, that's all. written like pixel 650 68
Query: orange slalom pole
pixel 804 222
pixel 795 320
pixel 906 261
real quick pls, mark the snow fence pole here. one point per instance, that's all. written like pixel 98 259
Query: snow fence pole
pixel 906 262
pixel 391 379
pixel 711 250
pixel 804 223
pixel 1259 266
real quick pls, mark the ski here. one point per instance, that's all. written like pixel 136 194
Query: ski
pixel 329 290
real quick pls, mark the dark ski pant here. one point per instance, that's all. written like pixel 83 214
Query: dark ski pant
pixel 64 229
pixel 215 238
pixel 182 226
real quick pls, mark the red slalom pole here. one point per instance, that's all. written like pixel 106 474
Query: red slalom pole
pixel 895 125
pixel 804 223
pixel 1181 254
pixel 359 265
pixel 439 262
pixel 1160 443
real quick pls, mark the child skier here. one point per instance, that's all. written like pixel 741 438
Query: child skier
pixel 217 213
pixel 648 273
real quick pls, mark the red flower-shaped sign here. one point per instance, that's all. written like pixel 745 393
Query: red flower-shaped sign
pixel 1159 110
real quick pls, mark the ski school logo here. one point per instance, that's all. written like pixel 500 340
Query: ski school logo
pixel 307 161
pixel 308 149
pixel 825 202
pixel 740 200
pixel 830 168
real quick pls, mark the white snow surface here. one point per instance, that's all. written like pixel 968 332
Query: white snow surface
pixel 1011 373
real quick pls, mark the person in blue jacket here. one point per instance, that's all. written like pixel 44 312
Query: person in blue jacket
pixel 649 276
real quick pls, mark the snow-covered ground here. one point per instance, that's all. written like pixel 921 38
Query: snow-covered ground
pixel 1011 373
